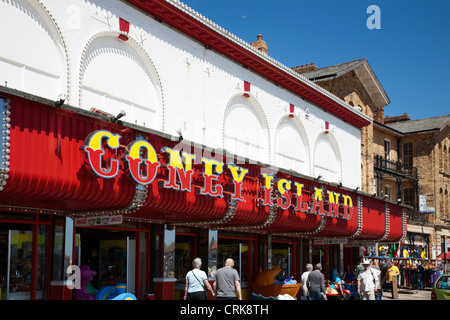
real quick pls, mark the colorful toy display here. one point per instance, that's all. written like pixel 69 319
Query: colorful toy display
pixel 266 285
pixel 86 276
pixel 336 290
pixel 117 292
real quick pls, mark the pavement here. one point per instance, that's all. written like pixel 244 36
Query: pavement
pixel 405 294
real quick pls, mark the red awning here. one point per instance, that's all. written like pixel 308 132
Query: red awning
pixel 47 168
pixel 441 256
pixel 397 224
pixel 49 171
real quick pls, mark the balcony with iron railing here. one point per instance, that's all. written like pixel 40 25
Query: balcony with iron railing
pixel 419 217
pixel 396 168
pixel 402 172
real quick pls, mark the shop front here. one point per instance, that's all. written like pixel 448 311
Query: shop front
pixel 138 206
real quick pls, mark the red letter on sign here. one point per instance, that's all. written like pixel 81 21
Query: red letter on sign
pixel 210 177
pixel 135 161
pixel 94 150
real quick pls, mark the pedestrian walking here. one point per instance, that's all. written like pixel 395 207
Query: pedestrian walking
pixel 367 282
pixel 304 278
pixel 390 273
pixel 227 282
pixel 316 284
pixel 197 283
pixel 421 274
pixel 379 292
pixel 359 268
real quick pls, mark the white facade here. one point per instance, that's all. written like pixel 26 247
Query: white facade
pixel 166 81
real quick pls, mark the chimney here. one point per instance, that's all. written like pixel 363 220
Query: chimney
pixel 261 45
pixel 402 118
pixel 378 114
pixel 303 68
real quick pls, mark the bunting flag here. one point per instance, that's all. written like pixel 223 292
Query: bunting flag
pixel 393 251
pixel 247 86
pixel 124 26
pixel 405 253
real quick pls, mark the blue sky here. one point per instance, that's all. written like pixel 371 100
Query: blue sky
pixel 410 54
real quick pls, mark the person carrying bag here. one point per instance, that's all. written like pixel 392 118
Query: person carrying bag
pixel 367 282
pixel 197 284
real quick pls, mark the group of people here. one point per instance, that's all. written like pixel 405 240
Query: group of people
pixel 368 277
pixel 226 284
pixel 313 283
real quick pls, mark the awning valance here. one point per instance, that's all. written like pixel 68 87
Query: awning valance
pixel 68 160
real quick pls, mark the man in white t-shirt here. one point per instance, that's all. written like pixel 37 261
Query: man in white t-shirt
pixel 367 282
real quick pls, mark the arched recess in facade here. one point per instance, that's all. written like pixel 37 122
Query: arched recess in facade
pixel 33 54
pixel 327 161
pixel 245 129
pixel 118 75
pixel 291 147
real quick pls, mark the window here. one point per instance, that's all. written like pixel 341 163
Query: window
pixel 408 154
pixel 446 213
pixel 387 149
pixel 387 192
pixel 408 196
pixel 445 156
pixel 443 283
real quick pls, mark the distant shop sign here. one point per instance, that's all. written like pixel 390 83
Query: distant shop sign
pixel 98 221
pixel 423 208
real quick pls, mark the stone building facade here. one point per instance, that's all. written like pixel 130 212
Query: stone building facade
pixel 426 142
pixel 403 160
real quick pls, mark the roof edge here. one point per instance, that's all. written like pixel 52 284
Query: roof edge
pixel 188 21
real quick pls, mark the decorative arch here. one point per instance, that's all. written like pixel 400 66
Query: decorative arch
pixel 327 160
pixel 246 129
pixel 119 75
pixel 33 32
pixel 291 146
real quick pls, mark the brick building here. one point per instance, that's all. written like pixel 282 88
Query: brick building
pixel 425 144
pixel 403 160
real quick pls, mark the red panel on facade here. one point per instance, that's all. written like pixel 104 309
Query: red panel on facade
pixel 335 227
pixel 47 167
pixel 339 227
pixel 290 221
pixel 397 224
pixel 373 219
pixel 173 205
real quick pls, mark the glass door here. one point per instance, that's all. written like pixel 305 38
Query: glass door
pixel 41 262
pixel 184 254
pixel 239 252
pixel 113 262
pixel 117 261
pixel 281 256
pixel 4 261
pixel 19 264
pixel 16 269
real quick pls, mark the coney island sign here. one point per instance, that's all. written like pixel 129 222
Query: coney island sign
pixel 143 162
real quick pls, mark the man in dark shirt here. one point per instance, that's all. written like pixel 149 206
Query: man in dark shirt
pixel 421 274
pixel 316 284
